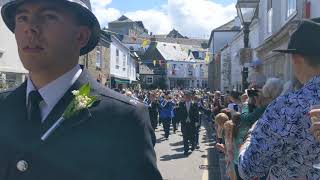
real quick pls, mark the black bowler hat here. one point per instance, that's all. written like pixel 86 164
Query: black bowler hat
pixel 81 7
pixel 305 40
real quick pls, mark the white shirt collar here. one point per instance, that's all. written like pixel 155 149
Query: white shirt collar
pixel 54 91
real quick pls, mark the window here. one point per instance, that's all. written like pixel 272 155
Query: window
pixel 270 14
pixel 117 59
pixel 1 53
pixel 124 62
pixel 149 80
pixel 129 68
pixel 190 70
pixel 201 71
pixel 98 59
pixel 173 69
pixel 291 7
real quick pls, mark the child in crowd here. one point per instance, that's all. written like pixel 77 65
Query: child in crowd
pixel 229 150
pixel 220 119
pixel 224 129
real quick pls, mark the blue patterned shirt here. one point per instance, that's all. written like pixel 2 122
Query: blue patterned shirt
pixel 281 143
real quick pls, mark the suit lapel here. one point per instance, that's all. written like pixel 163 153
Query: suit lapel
pixel 62 104
pixel 15 119
pixel 17 101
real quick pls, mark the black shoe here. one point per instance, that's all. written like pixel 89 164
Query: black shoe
pixel 192 149
pixel 197 147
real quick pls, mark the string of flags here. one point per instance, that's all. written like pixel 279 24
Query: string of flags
pixel 163 63
pixel 145 43
pixel 207 58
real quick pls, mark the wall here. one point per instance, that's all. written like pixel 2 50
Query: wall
pixel 225 69
pixel 263 21
pixel 211 75
pixel 121 28
pixel 236 68
pixel 199 72
pixel 221 39
pixel 315 8
pixel 131 65
pixel 90 61
pixel 254 38
pixel 9 61
pixel 124 57
pixel 274 64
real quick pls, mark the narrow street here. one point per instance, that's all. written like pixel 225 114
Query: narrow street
pixel 201 164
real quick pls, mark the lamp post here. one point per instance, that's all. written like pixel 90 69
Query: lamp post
pixel 246 10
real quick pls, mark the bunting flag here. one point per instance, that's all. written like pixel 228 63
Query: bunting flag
pixel 145 43
pixel 207 58
pixel 154 62
pixel 133 38
pixel 160 63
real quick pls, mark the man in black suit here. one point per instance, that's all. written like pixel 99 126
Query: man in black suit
pixel 153 106
pixel 111 140
pixel 188 114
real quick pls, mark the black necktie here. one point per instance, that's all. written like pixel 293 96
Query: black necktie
pixel 34 114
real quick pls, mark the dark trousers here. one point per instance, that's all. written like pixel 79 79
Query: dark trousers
pixel 175 123
pixel 197 131
pixel 154 121
pixel 166 126
pixel 188 133
pixel 197 135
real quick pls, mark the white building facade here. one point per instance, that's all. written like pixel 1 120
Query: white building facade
pixel 277 21
pixel 187 74
pixel 122 65
pixel 313 8
pixel 12 72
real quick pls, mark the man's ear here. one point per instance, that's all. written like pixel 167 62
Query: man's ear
pixel 84 34
pixel 297 59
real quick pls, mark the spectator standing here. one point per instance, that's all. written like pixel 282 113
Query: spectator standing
pixel 281 144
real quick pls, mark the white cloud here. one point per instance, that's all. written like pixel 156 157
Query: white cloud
pixel 199 17
pixel 156 21
pixel 100 3
pixel 189 17
pixel 103 13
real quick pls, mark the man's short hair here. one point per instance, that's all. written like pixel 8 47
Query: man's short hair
pixel 312 60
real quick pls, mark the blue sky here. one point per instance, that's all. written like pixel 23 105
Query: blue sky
pixel 124 6
pixel 192 18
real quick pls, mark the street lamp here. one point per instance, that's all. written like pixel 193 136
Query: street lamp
pixel 246 10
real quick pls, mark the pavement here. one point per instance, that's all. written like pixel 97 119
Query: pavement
pixel 201 164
